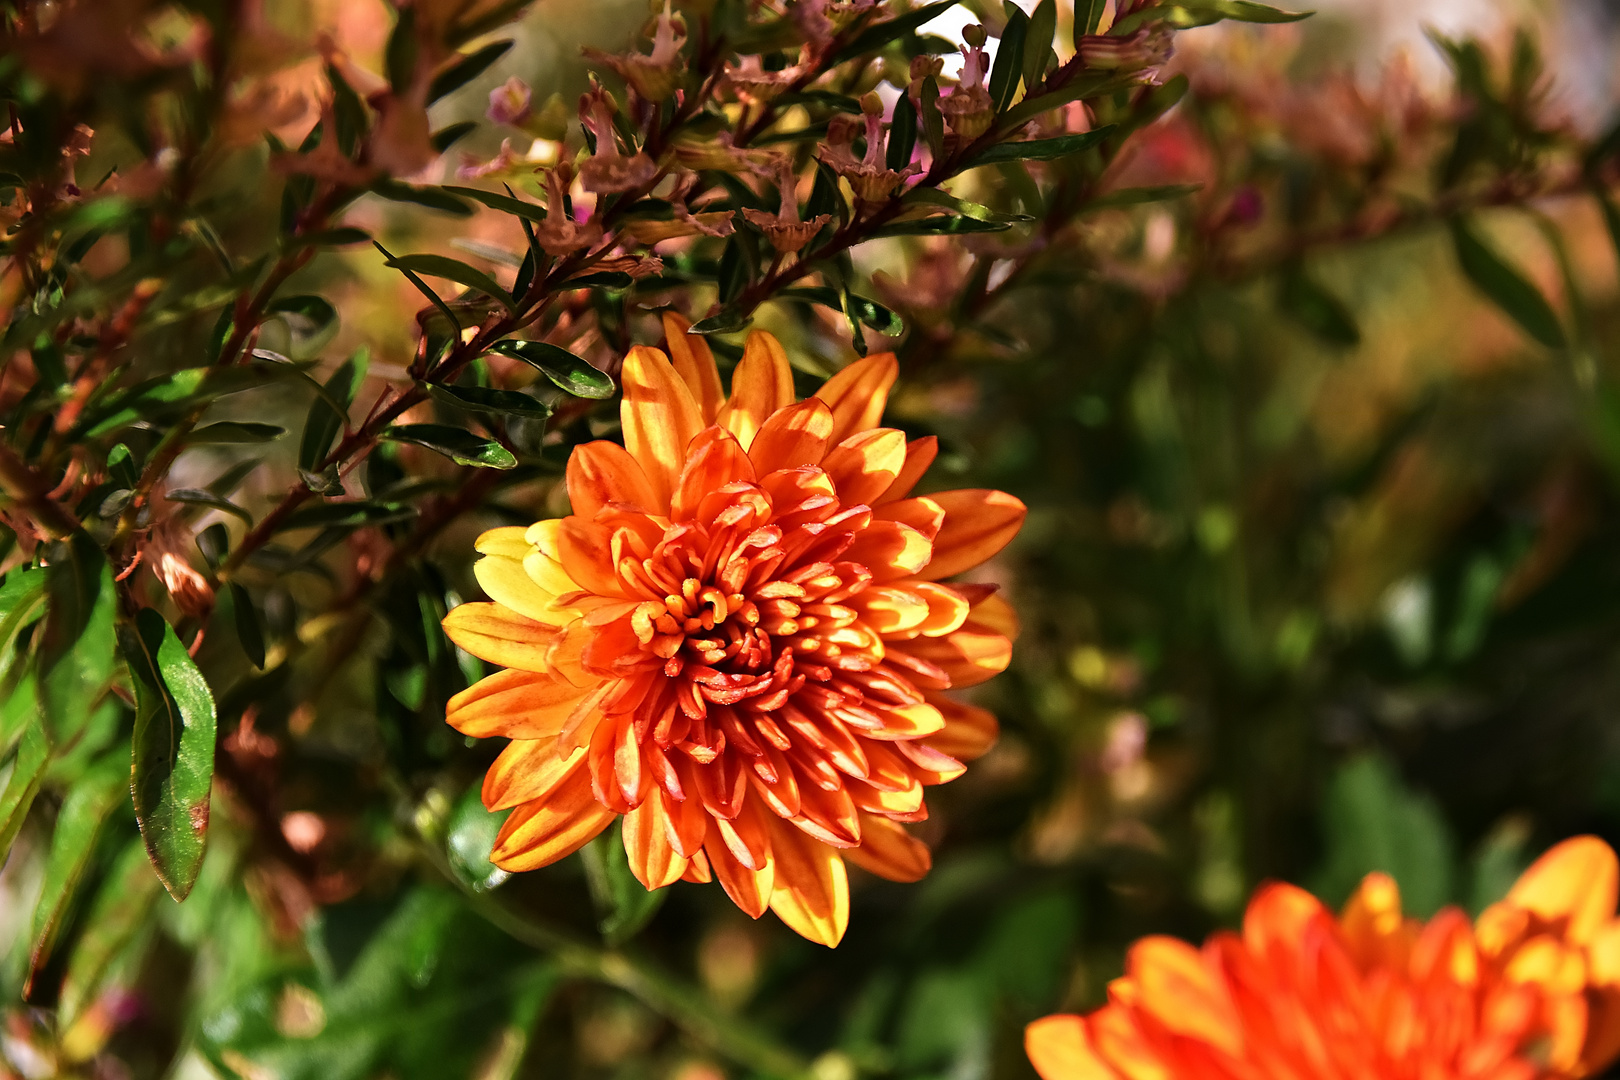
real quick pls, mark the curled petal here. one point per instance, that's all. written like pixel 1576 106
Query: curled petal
pixel 1060 1049
pixel 1573 885
pixel 512 541
pixel 969 731
pixel 749 889
pixel 516 704
pixel 920 454
pixel 858 394
pixel 528 771
pixel 712 461
pixel 888 851
pixel 505 581
pixel 653 860
pixel 890 550
pixel 863 466
pixel 539 833
pixel 501 636
pixel 968 657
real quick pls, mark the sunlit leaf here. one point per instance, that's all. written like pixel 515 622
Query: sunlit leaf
pixel 1506 287
pixel 496 402
pixel 562 367
pixel 458 444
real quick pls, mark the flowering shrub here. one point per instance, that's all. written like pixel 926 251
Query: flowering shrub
pixel 387 400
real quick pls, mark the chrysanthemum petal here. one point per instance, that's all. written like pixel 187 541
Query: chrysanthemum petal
pixel 920 454
pixel 714 460
pixel 515 704
pixel 1060 1049
pixel 920 512
pixel 890 550
pixel 811 892
pixel 969 656
pixel 603 472
pixel 891 609
pixel 978 523
pixel 586 548
pixel 528 770
pixel 762 384
pixel 889 851
pixel 693 361
pixel 659 418
pixel 794 436
pixel 501 636
pixel 1575 883
pixel 505 581
pixel 653 861
pixel 857 395
pixel 969 731
pixel 749 889
pixel 540 832
pixel 509 540
pixel 1181 990
pixel 863 466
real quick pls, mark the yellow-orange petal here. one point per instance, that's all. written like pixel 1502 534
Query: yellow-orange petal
pixel 659 418
pixel 1603 994
pixel 969 656
pixel 515 704
pixel 540 832
pixel 920 454
pixel 511 541
pixel 864 465
pixel 713 460
pixel 501 636
pixel 969 731
pixel 1375 932
pixel 858 394
pixel 890 550
pixel 794 436
pixel 762 384
pixel 586 548
pixel 1060 1049
pixel 528 770
pixel 694 363
pixel 600 473
pixel 1182 990
pixel 889 851
pixel 890 609
pixel 811 892
pixel 921 513
pixel 506 581
pixel 1277 916
pixel 749 889
pixel 1573 884
pixel 653 861
pixel 978 523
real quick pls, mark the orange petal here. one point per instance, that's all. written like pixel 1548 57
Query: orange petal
pixel 762 384
pixel 858 394
pixel 511 541
pixel 920 454
pixel 687 826
pixel 978 523
pixel 890 550
pixel 1181 989
pixel 698 872
pixel 1060 1049
pixel 528 771
pixel 994 613
pixel 646 843
pixel 659 417
pixel 746 836
pixel 969 731
pixel 516 704
pixel 713 460
pixel 749 889
pixel 864 465
pixel 540 832
pixel 890 609
pixel 586 548
pixel 602 472
pixel 888 851
pixel 921 513
pixel 694 363
pixel 969 656
pixel 1603 993
pixel 794 436
pixel 501 636
pixel 1575 883
pixel 811 892
pixel 915 721
pixel 505 581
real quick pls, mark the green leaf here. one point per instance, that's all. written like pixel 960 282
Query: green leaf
pixel 562 367
pixel 33 757
pixel 318 311
pixel 1506 287
pixel 605 279
pixel 902 133
pixel 937 197
pixel 78 641
pixel 724 322
pixel 458 444
pixel 248 631
pixel 202 497
pixel 1193 13
pixel 1611 220
pixel 235 431
pixel 873 38
pixel 1373 821
pixel 825 98
pixel 496 402
pixel 1038 43
pixel 933 121
pixel 339 237
pixel 507 204
pixel 939 225
pixel 121 466
pixel 431 197
pixel 1135 196
pixel 328 413
pixel 869 312
pixel 466 69
pixel 1087 17
pixel 345 514
pixel 446 137
pixel 399 58
pixel 73 844
pixel 469 838
pixel 173 771
pixel 454 270
pixel 623 904
pixel 116 920
pixel 1043 149
pixel 1004 72
pixel 1317 310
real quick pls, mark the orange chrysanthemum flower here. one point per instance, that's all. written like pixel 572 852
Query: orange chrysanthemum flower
pixel 1531 990
pixel 738 640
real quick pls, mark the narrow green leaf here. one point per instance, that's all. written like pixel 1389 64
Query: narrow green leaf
pixel 431 197
pixel 1087 17
pixel 466 69
pixel 939 225
pixel 1038 43
pixel 562 367
pixel 121 466
pixel 458 444
pixel 725 322
pixel 114 922
pixel 248 631
pixel 446 137
pixel 453 270
pixel 937 197
pixel 328 413
pixel 496 402
pixel 202 497
pixel 873 38
pixel 173 771
pixel 826 98
pixel 869 312
pixel 73 844
pixel 604 279
pixel 318 311
pixel 507 204
pixel 1611 219
pixel 77 640
pixel 902 133
pixel 1009 62
pixel 1506 287
pixel 1317 310
pixel 339 237
pixel 28 769
pixel 1043 149
pixel 933 121
pixel 348 514
pixel 399 58
pixel 1191 13
pixel 235 431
